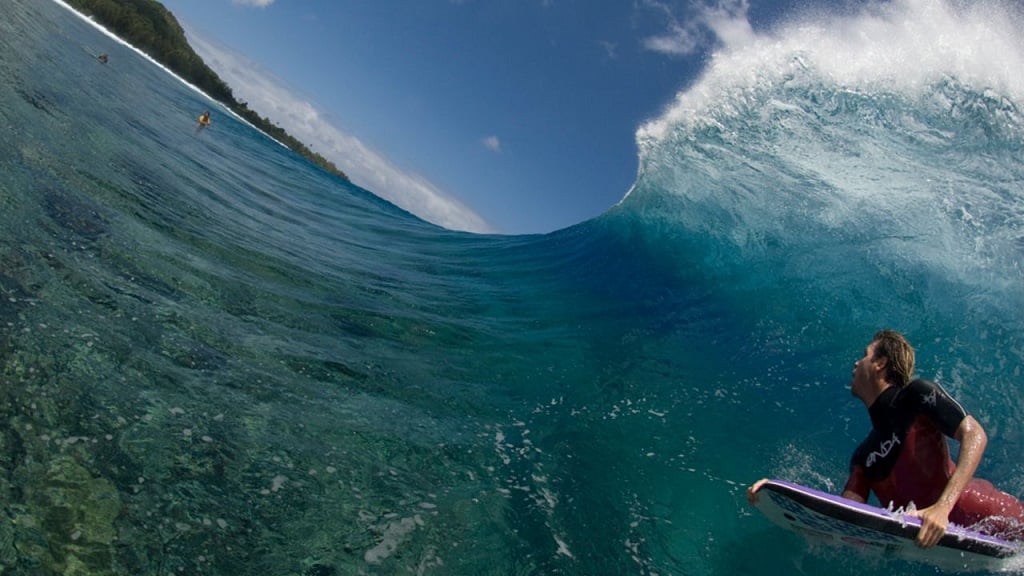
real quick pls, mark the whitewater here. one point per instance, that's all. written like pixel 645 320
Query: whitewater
pixel 217 359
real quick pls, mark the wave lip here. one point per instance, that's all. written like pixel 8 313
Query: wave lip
pixel 903 47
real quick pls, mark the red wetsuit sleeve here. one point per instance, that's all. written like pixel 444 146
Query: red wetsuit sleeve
pixel 857 483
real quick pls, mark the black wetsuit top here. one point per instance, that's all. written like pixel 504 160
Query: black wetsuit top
pixel 893 415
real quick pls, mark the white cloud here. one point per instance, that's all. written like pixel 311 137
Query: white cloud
pixel 258 3
pixel 724 19
pixel 364 166
pixel 492 143
pixel 678 41
pixel 730 22
pixel 610 48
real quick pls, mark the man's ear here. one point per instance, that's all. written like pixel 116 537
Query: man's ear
pixel 880 363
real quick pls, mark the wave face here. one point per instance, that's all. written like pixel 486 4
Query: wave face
pixel 217 359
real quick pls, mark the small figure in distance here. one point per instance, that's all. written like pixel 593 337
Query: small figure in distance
pixel 204 121
pixel 103 58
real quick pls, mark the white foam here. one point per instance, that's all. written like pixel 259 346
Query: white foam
pixel 903 46
pixel 393 536
pixel 563 548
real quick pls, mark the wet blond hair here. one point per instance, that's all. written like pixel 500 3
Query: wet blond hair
pixel 892 346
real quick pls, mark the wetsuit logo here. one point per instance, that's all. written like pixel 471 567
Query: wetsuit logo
pixel 930 398
pixel 883 450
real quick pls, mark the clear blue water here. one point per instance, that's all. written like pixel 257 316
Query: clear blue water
pixel 216 359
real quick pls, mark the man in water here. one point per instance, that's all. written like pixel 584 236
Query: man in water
pixel 204 120
pixel 103 58
pixel 905 458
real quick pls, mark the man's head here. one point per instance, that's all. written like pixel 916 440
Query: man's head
pixel 888 361
pixel 898 355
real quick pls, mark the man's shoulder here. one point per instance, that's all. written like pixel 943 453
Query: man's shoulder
pixel 934 399
pixel 918 395
pixel 922 387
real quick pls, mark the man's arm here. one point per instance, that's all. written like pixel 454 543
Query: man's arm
pixel 752 491
pixel 935 518
pixel 856 487
pixel 851 495
pixel 756 486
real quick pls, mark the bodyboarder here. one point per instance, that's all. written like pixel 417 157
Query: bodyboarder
pixel 905 458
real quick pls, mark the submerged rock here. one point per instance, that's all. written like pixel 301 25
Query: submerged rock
pixel 76 215
pixel 67 522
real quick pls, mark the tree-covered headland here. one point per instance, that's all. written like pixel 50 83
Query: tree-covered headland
pixel 150 27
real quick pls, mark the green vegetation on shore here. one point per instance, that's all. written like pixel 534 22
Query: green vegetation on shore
pixel 150 27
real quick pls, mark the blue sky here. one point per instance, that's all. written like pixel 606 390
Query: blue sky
pixel 510 116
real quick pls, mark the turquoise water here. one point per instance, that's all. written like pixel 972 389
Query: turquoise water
pixel 216 359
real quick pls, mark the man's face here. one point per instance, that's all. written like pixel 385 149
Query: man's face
pixel 866 371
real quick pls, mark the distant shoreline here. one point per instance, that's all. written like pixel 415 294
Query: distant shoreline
pixel 147 26
pixel 99 27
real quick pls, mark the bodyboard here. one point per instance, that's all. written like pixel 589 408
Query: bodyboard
pixel 833 519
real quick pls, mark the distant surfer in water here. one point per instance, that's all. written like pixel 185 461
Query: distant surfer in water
pixel 103 58
pixel 204 121
pixel 905 458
